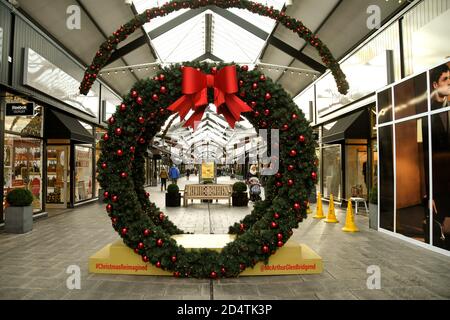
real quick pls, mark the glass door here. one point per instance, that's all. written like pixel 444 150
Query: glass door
pixel 58 176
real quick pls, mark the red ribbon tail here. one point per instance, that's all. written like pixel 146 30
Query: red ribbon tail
pixel 236 106
pixel 182 106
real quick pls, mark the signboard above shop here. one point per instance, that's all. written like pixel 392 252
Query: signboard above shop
pixel 20 109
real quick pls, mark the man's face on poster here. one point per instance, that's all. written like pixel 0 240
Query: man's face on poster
pixel 442 86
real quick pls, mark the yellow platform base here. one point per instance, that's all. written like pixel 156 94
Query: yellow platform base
pixel 292 258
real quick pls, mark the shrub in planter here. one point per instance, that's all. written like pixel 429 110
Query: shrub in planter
pixel 173 196
pixel 240 196
pixel 19 213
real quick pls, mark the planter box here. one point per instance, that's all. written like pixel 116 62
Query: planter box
pixel 239 199
pixel 173 200
pixel 19 219
pixel 373 216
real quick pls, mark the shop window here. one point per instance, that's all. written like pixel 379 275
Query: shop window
pixel 24 125
pixel 411 97
pixel 440 135
pixel 22 167
pixel 356 171
pixel 331 166
pixel 412 180
pixel 83 173
pixel 386 187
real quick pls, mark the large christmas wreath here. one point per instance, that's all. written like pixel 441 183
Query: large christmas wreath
pixel 146 229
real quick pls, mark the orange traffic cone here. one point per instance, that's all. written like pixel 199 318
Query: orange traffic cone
pixel 350 225
pixel 331 217
pixel 319 210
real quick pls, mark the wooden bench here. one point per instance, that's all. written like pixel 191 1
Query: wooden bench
pixel 207 192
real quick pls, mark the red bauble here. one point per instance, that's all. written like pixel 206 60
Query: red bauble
pixel 161 77
pixel 297 206
pixel 176 274
pixel 145 258
pixel 263 124
pixel 123 175
pixel 254 86
pixel 158 264
pixel 173 259
pixel 112 120
pixel 152 115
pixel 242 266
pixel 162 110
pixel 159 242
pixel 293 153
pixel 290 167
pixel 118 131
pixel 141 140
pixel 114 198
pixel 163 90
pixel 253 104
pixel 267 112
pixel 242 227
pixel 278 175
pixel 140 245
pixel 262 77
pixel 285 127
pixel 104 165
pixel 139 100
pixel 256 114
pixel 155 97
pixel 244 68
pixel 273 225
pixel 241 83
pixel 223 270
pixel 119 152
pixel 213 275
pixel 105 137
pixel 276 215
pixel 268 96
pixel 290 182
pixel 161 216
pixel 314 175
pixel 147 194
pixel 265 249
pixel 147 232
pixel 141 120
pixel 123 107
pixel 132 149
pixel 155 78
pixel 280 236
pixel 134 93
pixel 108 207
pixel 124 231
pixel 106 194
pixel 279 184
pixel 114 220
pixel 280 244
pixel 242 94
pixel 301 138
pixel 294 116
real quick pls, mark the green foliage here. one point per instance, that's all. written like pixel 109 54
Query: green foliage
pixel 373 195
pixel 239 187
pixel 173 188
pixel 19 198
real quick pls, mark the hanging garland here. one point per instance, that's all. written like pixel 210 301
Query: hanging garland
pixel 106 49
pixel 145 229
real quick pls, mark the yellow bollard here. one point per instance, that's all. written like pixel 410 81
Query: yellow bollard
pixel 331 217
pixel 308 209
pixel 350 225
pixel 319 211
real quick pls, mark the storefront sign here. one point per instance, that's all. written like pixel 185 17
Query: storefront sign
pixel 208 170
pixel 20 109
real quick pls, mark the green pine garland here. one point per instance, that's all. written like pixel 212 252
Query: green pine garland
pixel 144 227
pixel 104 53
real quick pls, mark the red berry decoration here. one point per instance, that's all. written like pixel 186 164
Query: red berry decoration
pixel 123 107
pixel 145 258
pixel 114 198
pixel 112 120
pixel 297 206
pixel 280 236
pixel 290 182
pixel 123 175
pixel 223 270
pixel 213 275
pixel 161 77
pixel 114 220
pixel 314 175
pixel 159 242
pixel 290 167
pixel 262 78
pixel 105 137
pixel 268 96
pixel 155 97
pixel 242 227
pixel 266 112
pixel 147 194
pixel 118 131
pixel 140 245
pixel 276 215
pixel 106 194
pixel 134 93
pixel 139 100
pixel 104 165
pixel 279 184
pixel 158 264
pixel 132 149
pixel 265 249
pixel 173 259
pixel 280 244
pixel 109 207
pixel 293 153
pixel 124 231
pixel 263 124
pixel 301 138
pixel 155 78
pixel 147 232
pixel 119 152
pixel 273 225
pixel 163 90
pixel 254 86
pixel 244 68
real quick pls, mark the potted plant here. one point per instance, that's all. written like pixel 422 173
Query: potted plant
pixel 173 196
pixel 19 213
pixel 373 208
pixel 240 196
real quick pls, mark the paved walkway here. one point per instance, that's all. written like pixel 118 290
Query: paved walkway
pixel 33 266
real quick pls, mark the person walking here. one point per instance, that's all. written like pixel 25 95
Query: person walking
pixel 163 175
pixel 188 173
pixel 174 174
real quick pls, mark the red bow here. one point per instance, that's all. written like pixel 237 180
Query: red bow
pixel 195 86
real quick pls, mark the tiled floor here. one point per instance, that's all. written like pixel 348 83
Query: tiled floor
pixel 33 265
